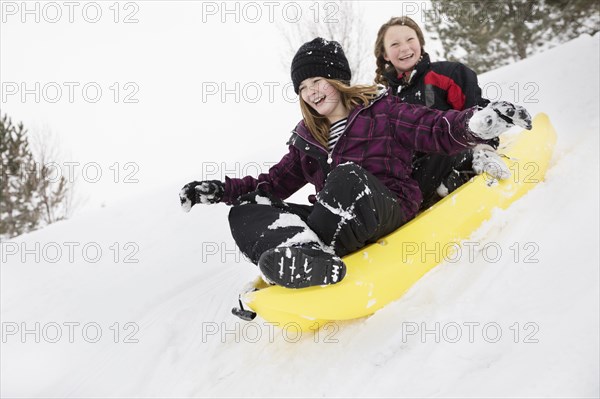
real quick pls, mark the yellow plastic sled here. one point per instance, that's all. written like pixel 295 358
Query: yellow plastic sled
pixel 381 273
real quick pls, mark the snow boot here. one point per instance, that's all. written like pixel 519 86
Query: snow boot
pixel 301 266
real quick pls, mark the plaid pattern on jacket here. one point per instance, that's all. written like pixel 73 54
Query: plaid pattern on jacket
pixel 380 137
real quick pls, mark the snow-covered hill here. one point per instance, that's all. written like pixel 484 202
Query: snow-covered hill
pixel 133 300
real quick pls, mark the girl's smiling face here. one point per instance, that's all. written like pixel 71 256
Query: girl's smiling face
pixel 323 98
pixel 401 47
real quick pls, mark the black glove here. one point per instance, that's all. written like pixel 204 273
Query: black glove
pixel 498 117
pixel 201 192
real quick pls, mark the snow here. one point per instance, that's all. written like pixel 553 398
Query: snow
pixel 302 237
pixel 158 284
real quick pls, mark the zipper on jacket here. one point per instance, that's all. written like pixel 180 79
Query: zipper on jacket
pixel 330 153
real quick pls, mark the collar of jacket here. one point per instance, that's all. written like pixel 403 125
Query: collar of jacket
pixel 422 67
pixel 302 132
pixel 303 141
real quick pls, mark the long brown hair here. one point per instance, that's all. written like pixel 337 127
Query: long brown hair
pixel 351 96
pixel 383 66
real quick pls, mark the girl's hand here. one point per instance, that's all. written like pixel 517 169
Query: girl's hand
pixel 486 159
pixel 498 117
pixel 201 192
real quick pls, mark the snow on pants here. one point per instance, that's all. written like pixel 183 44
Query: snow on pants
pixel 431 170
pixel 353 209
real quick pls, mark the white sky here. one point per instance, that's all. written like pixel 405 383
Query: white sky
pixel 165 59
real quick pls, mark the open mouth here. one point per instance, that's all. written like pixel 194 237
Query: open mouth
pixel 318 100
pixel 406 57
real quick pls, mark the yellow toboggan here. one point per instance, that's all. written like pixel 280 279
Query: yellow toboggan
pixel 382 272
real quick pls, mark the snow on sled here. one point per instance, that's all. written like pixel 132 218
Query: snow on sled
pixel 382 272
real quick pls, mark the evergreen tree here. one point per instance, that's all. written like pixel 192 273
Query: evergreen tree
pixel 489 34
pixel 29 198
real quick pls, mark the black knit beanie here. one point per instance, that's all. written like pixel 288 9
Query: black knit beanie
pixel 322 58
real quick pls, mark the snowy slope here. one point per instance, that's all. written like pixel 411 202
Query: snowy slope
pixel 519 316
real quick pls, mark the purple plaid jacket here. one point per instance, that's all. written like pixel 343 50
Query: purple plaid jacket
pixel 380 137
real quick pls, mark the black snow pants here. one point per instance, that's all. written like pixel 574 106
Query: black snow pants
pixel 353 209
pixel 432 170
